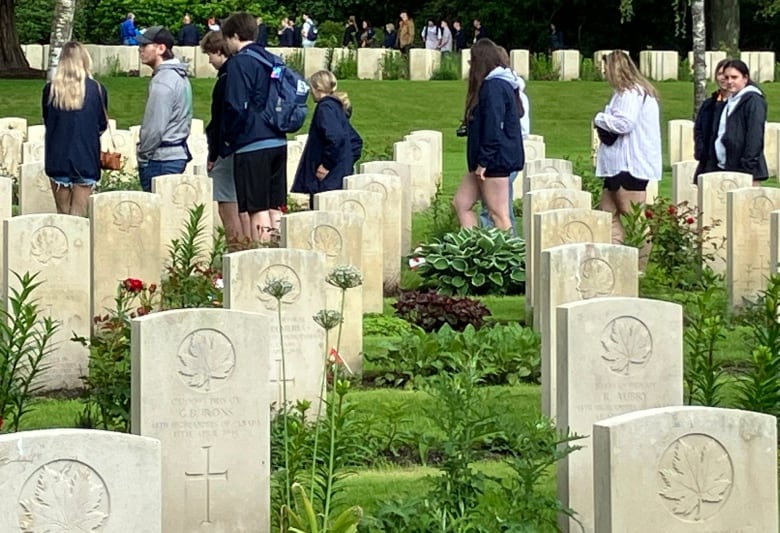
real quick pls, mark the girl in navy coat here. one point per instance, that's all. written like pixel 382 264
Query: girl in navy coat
pixel 494 146
pixel 327 156
pixel 74 113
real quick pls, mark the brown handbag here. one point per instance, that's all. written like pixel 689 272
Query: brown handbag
pixel 110 160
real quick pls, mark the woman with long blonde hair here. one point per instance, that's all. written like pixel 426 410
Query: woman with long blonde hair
pixel 74 115
pixel 629 156
pixel 494 144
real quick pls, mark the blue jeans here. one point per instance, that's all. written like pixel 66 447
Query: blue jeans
pixel 485 219
pixel 158 168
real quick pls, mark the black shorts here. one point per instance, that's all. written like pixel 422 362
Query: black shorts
pixel 261 179
pixel 625 180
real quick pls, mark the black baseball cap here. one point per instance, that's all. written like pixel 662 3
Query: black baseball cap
pixel 156 35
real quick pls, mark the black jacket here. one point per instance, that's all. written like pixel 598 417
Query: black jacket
pixel 495 138
pixel 262 34
pixel 189 35
pixel 459 38
pixel 330 144
pixel 72 145
pixel 705 130
pixel 214 127
pixel 744 136
pixel 350 36
pixel 286 38
pixel 246 91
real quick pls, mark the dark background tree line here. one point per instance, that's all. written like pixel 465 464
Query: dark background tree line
pixel 588 25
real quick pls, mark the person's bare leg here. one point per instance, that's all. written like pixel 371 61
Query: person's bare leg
pixel 276 219
pixel 246 225
pixel 495 194
pixel 228 214
pixel 625 201
pixel 62 197
pixel 79 200
pixel 609 204
pixel 261 222
pixel 465 198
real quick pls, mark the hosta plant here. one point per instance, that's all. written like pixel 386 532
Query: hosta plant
pixel 474 261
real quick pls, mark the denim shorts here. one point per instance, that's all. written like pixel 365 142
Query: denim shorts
pixel 66 181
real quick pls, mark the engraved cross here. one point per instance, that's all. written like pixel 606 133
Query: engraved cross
pixel 276 377
pixel 208 476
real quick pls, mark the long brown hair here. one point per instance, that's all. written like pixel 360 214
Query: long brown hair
pixel 622 74
pixel 485 56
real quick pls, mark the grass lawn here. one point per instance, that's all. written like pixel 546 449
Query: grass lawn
pixel 384 113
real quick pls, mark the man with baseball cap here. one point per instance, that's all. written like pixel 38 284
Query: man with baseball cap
pixel 162 142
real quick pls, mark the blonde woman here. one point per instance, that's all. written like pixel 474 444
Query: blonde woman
pixel 327 156
pixel 630 129
pixel 74 115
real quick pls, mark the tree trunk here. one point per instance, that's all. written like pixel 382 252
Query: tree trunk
pixel 12 59
pixel 698 33
pixel 725 26
pixel 61 31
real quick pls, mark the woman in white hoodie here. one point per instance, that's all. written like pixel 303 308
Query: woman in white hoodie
pixel 739 145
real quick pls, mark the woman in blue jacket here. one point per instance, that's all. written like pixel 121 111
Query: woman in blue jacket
pixel 327 156
pixel 74 113
pixel 494 146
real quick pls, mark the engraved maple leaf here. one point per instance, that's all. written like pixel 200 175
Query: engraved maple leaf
pixel 206 358
pixel 628 342
pixel 48 244
pixel 699 474
pixel 65 500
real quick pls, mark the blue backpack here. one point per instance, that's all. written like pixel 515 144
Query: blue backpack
pixel 285 109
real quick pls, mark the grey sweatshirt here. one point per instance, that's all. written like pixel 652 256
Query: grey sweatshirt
pixel 168 114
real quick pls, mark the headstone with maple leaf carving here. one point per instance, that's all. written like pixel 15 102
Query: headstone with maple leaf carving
pixel 200 385
pixel 684 469
pixel 79 480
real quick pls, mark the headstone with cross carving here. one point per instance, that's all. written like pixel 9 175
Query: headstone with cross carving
pixel 179 194
pixel 340 237
pixel 404 172
pixel 246 274
pixel 573 272
pixel 615 355
pixel 712 190
pixel 417 154
pixel 200 386
pixel 747 242
pixel 79 480
pixel 56 247
pixel 125 243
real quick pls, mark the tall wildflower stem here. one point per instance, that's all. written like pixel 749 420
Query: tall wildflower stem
pixel 287 484
pixel 319 413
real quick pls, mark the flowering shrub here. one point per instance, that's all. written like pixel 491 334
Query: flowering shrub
pixel 679 246
pixel 431 310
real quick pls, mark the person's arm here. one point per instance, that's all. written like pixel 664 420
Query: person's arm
pixel 103 97
pixel 699 129
pixel 753 150
pixel 45 102
pixel 156 119
pixel 623 112
pixel 236 99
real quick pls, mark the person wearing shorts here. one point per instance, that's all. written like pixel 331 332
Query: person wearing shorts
pixel 221 168
pixel 634 158
pixel 260 150
pixel 75 117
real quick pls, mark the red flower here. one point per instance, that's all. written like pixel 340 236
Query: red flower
pixel 1 422
pixel 335 357
pixel 284 208
pixel 152 288
pixel 142 311
pixel 133 285
pixel 672 210
pixel 648 213
pixel 690 220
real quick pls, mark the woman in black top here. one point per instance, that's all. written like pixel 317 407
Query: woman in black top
pixel 74 113
pixel 350 33
pixel 705 129
pixel 391 36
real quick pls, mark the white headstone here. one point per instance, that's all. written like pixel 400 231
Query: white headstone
pixel 547 166
pixel 519 59
pixel 203 68
pixel 404 172
pixel 567 64
pixel 417 155
pixel 747 237
pixel 686 469
pixel 36 133
pixel 186 54
pixel 574 272
pixel 57 248
pixel 340 237
pixel 659 65
pixel 774 242
pixel 711 60
pixel 680 140
pixel 434 139
pixel 200 386
pixel 534 150
pixel 423 63
pixel 683 188
pixel 314 59
pixel 11 151
pixel 367 207
pixel 760 64
pixel 712 190
pixel 124 144
pixel 33 152
pixel 615 355
pixel 465 63
pixel 772 146
pixel 369 63
pixel 294 153
pixel 246 274
pixel 6 194
pixel 35 195
pixel 552 180
pixel 79 480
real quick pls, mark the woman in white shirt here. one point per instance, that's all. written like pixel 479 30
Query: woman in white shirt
pixel 630 132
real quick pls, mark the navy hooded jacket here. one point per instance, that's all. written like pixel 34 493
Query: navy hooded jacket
pixel 495 137
pixel 72 144
pixel 330 144
pixel 246 91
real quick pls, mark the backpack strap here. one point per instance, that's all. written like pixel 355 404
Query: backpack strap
pixel 263 60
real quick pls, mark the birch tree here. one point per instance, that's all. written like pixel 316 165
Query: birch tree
pixel 61 32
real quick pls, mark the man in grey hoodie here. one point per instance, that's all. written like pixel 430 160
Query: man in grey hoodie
pixel 162 142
